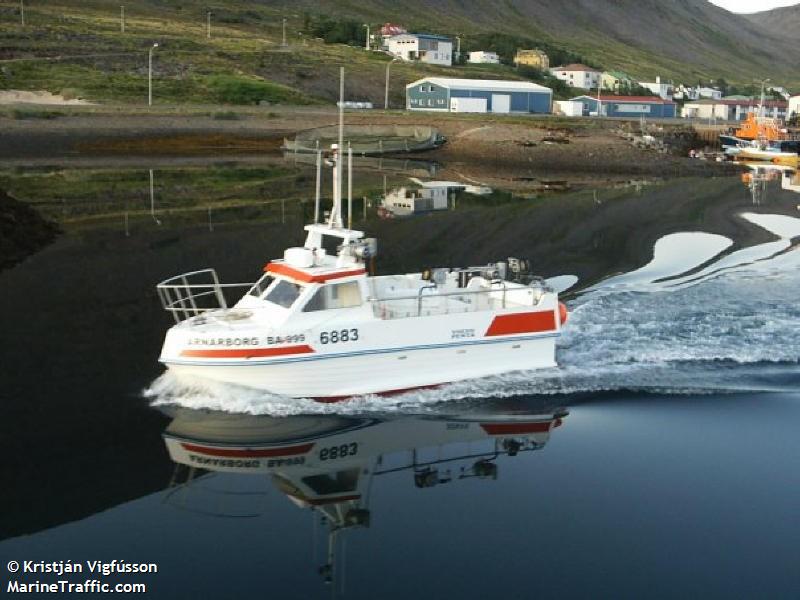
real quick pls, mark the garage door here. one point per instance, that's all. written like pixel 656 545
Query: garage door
pixel 501 103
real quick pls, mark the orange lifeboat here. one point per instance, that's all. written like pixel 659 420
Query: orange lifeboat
pixel 760 129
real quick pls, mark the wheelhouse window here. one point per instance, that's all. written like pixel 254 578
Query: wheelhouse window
pixel 336 295
pixel 284 293
pixel 261 286
pixel 333 483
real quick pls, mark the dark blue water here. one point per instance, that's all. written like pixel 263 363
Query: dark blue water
pixel 632 496
pixel 669 468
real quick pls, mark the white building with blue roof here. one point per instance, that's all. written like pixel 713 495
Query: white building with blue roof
pixel 422 47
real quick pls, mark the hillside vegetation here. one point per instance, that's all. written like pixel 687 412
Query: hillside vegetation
pixel 78 50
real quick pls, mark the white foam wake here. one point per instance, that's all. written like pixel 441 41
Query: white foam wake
pixel 732 326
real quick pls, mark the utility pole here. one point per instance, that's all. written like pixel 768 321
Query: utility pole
pixel 283 42
pixel 386 91
pixel 208 25
pixel 122 19
pixel 366 43
pixel 22 12
pixel 150 74
pixel 599 103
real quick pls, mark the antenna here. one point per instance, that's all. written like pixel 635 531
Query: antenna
pixel 336 161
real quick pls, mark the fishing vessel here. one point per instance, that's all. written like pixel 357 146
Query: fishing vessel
pixel 320 324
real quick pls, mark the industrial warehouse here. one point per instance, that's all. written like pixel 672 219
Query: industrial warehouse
pixel 478 96
pixel 627 106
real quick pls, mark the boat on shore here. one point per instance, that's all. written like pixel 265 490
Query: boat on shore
pixel 368 140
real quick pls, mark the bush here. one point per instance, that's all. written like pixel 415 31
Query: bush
pixel 34 113
pixel 225 116
pixel 229 89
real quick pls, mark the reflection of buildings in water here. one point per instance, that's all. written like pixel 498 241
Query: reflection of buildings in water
pixel 404 201
pixel 330 463
pixel 790 180
pixel 429 196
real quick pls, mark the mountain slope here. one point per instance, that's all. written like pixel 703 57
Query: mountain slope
pixel 780 21
pixel 682 39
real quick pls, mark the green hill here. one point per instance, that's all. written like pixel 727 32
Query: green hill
pixel 78 49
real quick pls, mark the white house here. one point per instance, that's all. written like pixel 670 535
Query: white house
pixel 484 57
pixel 682 92
pixel 422 47
pixel 663 89
pixel 577 75
pixel 729 109
pixel 794 106
pixel 707 92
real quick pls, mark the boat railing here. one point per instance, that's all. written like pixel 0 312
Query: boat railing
pixel 193 293
pixel 429 300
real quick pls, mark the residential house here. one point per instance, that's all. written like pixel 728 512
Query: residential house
pixel 484 57
pixel 662 89
pixel 707 92
pixel 532 58
pixel 616 80
pixel 422 47
pixel 577 75
pixel 794 107
pixel 733 108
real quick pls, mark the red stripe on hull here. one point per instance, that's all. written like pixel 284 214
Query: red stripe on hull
pixel 532 322
pixel 517 428
pixel 330 399
pixel 246 453
pixel 247 352
pixel 299 275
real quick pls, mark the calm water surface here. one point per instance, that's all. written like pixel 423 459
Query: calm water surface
pixel 660 460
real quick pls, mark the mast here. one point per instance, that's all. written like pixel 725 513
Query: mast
pixel 336 160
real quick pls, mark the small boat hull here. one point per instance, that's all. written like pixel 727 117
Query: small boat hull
pixel 338 376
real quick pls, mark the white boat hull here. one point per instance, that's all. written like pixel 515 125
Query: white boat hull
pixel 337 376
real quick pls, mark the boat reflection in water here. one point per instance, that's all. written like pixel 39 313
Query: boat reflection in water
pixel 760 175
pixel 329 463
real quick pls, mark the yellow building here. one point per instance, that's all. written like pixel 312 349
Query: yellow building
pixel 532 58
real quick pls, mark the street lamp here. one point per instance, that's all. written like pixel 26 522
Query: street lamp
pixel 366 43
pixel 22 12
pixel 150 74
pixel 386 93
pixel 208 24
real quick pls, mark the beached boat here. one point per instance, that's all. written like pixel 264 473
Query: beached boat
pixel 320 325
pixel 368 140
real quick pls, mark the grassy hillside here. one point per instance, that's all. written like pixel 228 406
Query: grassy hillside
pixel 77 49
pixel 681 39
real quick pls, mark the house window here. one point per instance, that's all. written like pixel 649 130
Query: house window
pixel 422 88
